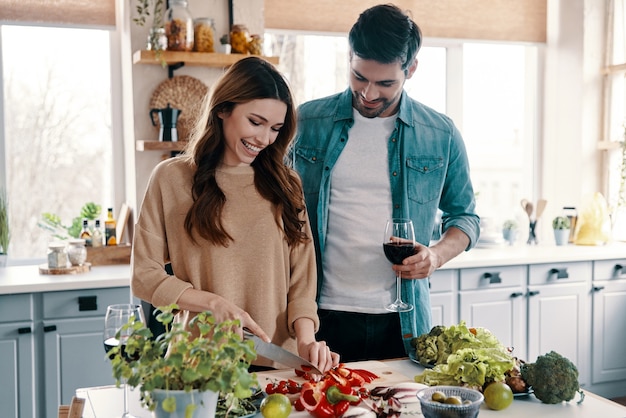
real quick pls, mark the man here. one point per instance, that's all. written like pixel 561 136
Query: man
pixel 369 154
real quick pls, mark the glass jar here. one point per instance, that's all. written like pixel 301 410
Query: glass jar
pixel 204 34
pixel 76 252
pixel 255 46
pixel 179 26
pixel 57 257
pixel 157 40
pixel 239 38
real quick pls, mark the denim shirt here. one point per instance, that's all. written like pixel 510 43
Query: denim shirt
pixel 428 170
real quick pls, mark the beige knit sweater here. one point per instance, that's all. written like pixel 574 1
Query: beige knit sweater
pixel 258 271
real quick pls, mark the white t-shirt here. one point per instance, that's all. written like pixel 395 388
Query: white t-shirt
pixel 357 276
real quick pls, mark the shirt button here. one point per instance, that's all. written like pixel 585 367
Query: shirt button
pixel 393 139
pixel 396 206
pixel 343 140
pixel 425 168
pixel 314 158
pixel 394 173
pixel 327 168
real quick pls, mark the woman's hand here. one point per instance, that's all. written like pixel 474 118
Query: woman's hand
pixel 318 354
pixel 199 300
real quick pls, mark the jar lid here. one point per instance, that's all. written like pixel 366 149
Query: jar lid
pixel 56 245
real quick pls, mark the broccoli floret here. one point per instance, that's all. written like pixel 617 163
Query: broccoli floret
pixel 425 345
pixel 553 378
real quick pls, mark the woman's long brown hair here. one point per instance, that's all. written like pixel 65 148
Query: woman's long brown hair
pixel 249 79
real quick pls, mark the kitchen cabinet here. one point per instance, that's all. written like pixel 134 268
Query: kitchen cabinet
pixel 17 356
pixel 608 361
pixel 50 345
pixel 443 304
pixel 72 323
pixel 493 298
pixel 558 312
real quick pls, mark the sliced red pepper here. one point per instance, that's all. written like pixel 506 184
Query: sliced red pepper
pixel 365 374
pixel 326 399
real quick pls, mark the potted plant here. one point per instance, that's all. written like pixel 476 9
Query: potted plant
pixel 225 44
pixel 561 227
pixel 509 230
pixel 208 359
pixel 5 232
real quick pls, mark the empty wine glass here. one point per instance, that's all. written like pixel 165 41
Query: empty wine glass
pixel 398 244
pixel 115 335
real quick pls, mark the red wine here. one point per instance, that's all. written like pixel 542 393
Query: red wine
pixel 109 343
pixel 398 251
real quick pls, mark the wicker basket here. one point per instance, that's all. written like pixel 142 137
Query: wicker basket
pixel 181 92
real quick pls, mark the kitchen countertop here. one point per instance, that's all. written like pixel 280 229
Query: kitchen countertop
pixel 104 402
pixel 27 279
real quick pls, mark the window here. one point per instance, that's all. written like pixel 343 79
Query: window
pixel 488 89
pixel 57 127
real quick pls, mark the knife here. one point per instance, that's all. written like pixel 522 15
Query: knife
pixel 279 354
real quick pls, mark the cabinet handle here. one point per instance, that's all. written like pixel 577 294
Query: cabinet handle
pixel 533 292
pixel 516 294
pixel 49 328
pixel 598 288
pixel 87 303
pixel 25 330
pixel 560 273
pixel 618 269
pixel 493 277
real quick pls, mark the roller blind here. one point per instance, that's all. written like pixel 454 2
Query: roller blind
pixel 61 12
pixel 499 20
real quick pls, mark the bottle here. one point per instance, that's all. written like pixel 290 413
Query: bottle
pixel 109 228
pixel 86 233
pixel 179 26
pixel 96 238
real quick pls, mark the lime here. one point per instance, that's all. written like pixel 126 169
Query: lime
pixel 498 395
pixel 276 405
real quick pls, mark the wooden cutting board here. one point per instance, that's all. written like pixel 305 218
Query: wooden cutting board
pixel 387 376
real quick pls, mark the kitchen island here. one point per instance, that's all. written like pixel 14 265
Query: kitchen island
pixel 107 401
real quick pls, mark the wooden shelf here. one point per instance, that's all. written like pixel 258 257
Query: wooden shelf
pixel 160 145
pixel 206 59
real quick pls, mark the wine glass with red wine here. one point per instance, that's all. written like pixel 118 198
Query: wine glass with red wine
pixel 398 244
pixel 116 335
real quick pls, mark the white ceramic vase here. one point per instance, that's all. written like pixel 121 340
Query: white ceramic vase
pixel 561 236
pixel 206 403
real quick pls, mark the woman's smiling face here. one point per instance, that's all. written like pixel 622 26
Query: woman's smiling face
pixel 249 128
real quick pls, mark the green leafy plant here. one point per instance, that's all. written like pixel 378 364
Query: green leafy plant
pixel 560 222
pixel 5 231
pixel 510 224
pixel 212 357
pixel 225 39
pixel 53 223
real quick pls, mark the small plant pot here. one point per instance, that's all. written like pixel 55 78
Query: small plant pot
pixel 206 403
pixel 561 236
pixel 509 235
pixel 225 48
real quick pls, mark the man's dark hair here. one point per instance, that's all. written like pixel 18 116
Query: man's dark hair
pixel 386 34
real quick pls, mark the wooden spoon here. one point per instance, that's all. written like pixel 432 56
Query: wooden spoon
pixel 541 205
pixel 529 210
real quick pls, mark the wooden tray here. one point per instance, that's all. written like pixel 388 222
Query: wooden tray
pixel 107 255
pixel 44 269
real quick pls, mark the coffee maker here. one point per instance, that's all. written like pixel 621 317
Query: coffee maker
pixel 168 118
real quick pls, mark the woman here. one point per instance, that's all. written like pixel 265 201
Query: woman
pixel 230 218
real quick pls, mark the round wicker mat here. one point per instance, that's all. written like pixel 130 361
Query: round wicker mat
pixel 181 92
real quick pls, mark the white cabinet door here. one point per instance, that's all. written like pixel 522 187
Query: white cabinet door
pixel 558 313
pixel 609 321
pixel 501 311
pixel 443 301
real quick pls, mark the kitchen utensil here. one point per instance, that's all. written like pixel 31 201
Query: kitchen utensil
pixel 279 354
pixel 168 118
pixel 528 208
pixel 541 205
